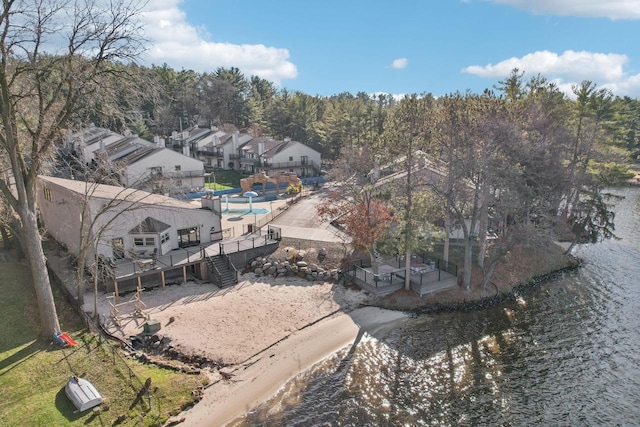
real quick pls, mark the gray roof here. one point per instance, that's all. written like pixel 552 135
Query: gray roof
pixel 150 225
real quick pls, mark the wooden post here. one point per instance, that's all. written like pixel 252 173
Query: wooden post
pixel 116 294
pixel 139 282
pixel 162 278
pixel 184 274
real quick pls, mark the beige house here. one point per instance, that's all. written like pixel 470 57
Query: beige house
pixel 124 222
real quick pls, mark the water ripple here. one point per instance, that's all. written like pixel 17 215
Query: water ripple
pixel 568 357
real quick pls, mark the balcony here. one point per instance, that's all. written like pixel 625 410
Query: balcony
pixel 292 165
pixel 250 161
pixel 208 152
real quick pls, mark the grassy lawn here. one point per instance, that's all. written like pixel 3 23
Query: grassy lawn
pixel 33 371
pixel 224 179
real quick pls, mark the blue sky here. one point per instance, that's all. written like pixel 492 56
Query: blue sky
pixel 402 46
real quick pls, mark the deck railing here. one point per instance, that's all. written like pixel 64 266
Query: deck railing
pixel 358 270
pixel 250 242
pixel 437 263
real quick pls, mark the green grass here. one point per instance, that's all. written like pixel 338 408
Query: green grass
pixel 225 179
pixel 33 371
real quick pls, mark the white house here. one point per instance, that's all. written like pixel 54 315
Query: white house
pixel 142 164
pixel 162 168
pixel 89 141
pixel 288 155
pixel 126 222
pixel 248 154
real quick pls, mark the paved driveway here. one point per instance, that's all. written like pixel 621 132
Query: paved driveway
pixel 301 221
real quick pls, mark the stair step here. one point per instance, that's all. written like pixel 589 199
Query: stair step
pixel 226 276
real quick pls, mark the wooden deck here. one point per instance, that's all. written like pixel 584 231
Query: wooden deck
pixel 391 279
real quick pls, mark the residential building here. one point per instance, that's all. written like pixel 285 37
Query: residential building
pixel 86 143
pixel 124 222
pixel 161 170
pixel 245 153
pixel 142 164
pixel 268 155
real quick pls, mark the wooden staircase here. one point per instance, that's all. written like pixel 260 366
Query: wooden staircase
pixel 222 270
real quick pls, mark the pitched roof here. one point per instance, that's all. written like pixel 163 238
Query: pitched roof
pixel 138 154
pixel 150 225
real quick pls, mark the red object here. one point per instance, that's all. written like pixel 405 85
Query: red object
pixel 67 339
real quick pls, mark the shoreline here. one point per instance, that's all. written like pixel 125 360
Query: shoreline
pixel 259 378
pixel 266 330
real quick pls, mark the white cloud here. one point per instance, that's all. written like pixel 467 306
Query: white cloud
pixel 612 9
pixel 182 46
pixel 399 63
pixel 570 67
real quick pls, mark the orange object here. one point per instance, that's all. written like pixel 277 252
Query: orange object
pixel 67 339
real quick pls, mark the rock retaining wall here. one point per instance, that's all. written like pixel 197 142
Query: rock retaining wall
pixel 310 271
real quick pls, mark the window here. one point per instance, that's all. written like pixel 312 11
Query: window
pixel 155 171
pixel 178 167
pixel 188 237
pixel 47 194
pixel 304 160
pixel 291 158
pixel 179 182
pixel 144 241
pixel 164 238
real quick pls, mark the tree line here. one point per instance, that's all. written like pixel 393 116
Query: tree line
pixel 522 165
pixel 158 100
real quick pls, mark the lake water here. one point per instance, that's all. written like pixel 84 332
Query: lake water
pixel 567 355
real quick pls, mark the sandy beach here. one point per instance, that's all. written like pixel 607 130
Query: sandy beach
pixel 264 330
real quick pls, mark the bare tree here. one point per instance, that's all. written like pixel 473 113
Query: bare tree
pixel 96 219
pixel 54 56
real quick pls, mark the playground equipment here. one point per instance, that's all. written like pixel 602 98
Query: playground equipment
pixel 65 339
pixel 137 312
pixel 279 177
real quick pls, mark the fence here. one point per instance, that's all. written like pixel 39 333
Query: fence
pixel 266 219
pixel 437 263
pixel 248 243
pixel 359 272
